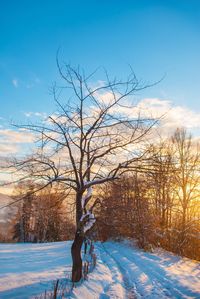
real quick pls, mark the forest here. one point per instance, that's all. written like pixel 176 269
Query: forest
pixel 156 205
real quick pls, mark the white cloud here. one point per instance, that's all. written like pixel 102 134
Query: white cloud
pixel 28 114
pixel 37 114
pixel 8 149
pixel 11 136
pixel 171 116
pixel 30 83
pixel 13 142
pixel 15 82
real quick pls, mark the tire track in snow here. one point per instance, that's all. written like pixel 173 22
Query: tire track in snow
pixel 113 289
pixel 146 286
pixel 162 286
pixel 143 286
pixel 129 287
pixel 167 284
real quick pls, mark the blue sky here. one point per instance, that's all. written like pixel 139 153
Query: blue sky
pixel 155 37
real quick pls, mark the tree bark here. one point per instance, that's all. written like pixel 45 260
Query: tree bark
pixel 76 257
pixel 77 244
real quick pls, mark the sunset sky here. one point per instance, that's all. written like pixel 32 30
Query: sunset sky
pixel 157 38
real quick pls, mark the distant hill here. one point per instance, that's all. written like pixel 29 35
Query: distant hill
pixel 8 211
pixel 6 214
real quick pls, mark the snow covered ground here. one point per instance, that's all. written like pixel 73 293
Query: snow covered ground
pixel 27 270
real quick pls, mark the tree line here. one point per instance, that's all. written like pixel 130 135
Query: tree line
pixel 161 206
pixel 158 206
pixel 41 217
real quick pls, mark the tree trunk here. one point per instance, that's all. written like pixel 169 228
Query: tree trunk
pixel 76 257
pixel 77 244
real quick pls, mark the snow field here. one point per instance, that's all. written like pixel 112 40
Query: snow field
pixel 122 272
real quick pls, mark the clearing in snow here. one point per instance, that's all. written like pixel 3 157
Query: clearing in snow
pixel 27 270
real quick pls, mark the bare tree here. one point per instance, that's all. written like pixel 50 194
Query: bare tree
pixel 161 188
pixel 187 184
pixel 93 138
pixel 124 210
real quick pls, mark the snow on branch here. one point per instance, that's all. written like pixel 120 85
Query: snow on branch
pixel 87 221
pixel 99 181
pixel 86 197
